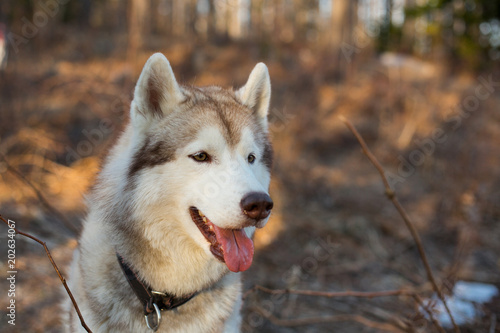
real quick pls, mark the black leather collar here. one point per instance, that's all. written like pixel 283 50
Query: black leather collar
pixel 152 301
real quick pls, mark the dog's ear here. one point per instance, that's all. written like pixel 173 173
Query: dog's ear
pixel 256 93
pixel 156 93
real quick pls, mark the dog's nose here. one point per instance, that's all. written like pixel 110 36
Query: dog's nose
pixel 256 205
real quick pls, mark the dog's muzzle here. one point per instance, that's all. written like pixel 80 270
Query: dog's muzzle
pixel 233 246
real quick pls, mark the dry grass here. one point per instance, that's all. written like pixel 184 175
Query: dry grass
pixel 332 228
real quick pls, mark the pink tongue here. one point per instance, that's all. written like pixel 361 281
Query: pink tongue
pixel 237 248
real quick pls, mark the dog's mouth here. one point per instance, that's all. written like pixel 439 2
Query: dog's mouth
pixel 230 246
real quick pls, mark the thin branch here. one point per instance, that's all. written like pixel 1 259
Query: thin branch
pixel 40 196
pixel 332 294
pixel 325 319
pixel 63 280
pixel 409 224
pixel 420 302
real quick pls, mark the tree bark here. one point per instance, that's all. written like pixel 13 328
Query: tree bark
pixel 137 27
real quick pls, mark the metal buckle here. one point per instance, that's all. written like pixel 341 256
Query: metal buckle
pixel 153 319
pixel 158 293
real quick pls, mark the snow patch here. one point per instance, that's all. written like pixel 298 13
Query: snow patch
pixel 464 303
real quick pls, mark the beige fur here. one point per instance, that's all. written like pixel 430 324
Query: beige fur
pixel 139 206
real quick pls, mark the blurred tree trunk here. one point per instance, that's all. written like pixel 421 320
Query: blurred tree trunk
pixel 339 14
pixel 343 22
pixel 300 19
pixel 84 15
pixel 279 19
pixel 385 28
pixel 256 19
pixel 155 15
pixel 221 19
pixel 138 27
pixel 192 16
pixel 211 20
pixel 288 33
pixel 178 17
pixel 234 20
pixel 162 10
pixel 284 20
pixel 408 34
pixel 46 18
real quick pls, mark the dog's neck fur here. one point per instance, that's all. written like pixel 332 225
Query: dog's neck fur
pixel 106 289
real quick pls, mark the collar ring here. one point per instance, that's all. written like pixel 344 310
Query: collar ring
pixel 153 319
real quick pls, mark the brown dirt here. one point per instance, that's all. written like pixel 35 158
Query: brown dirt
pixel 332 228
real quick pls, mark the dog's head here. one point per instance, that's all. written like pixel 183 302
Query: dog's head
pixel 201 158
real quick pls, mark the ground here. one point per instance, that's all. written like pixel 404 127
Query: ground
pixel 435 131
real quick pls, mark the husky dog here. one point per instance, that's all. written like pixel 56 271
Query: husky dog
pixel 172 215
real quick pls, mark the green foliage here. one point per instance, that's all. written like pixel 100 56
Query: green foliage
pixel 451 26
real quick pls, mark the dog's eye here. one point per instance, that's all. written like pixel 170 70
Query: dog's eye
pixel 251 158
pixel 201 157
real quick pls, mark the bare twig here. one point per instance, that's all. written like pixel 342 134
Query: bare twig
pixel 326 319
pixel 40 197
pixel 63 280
pixel 419 301
pixel 332 294
pixel 409 224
